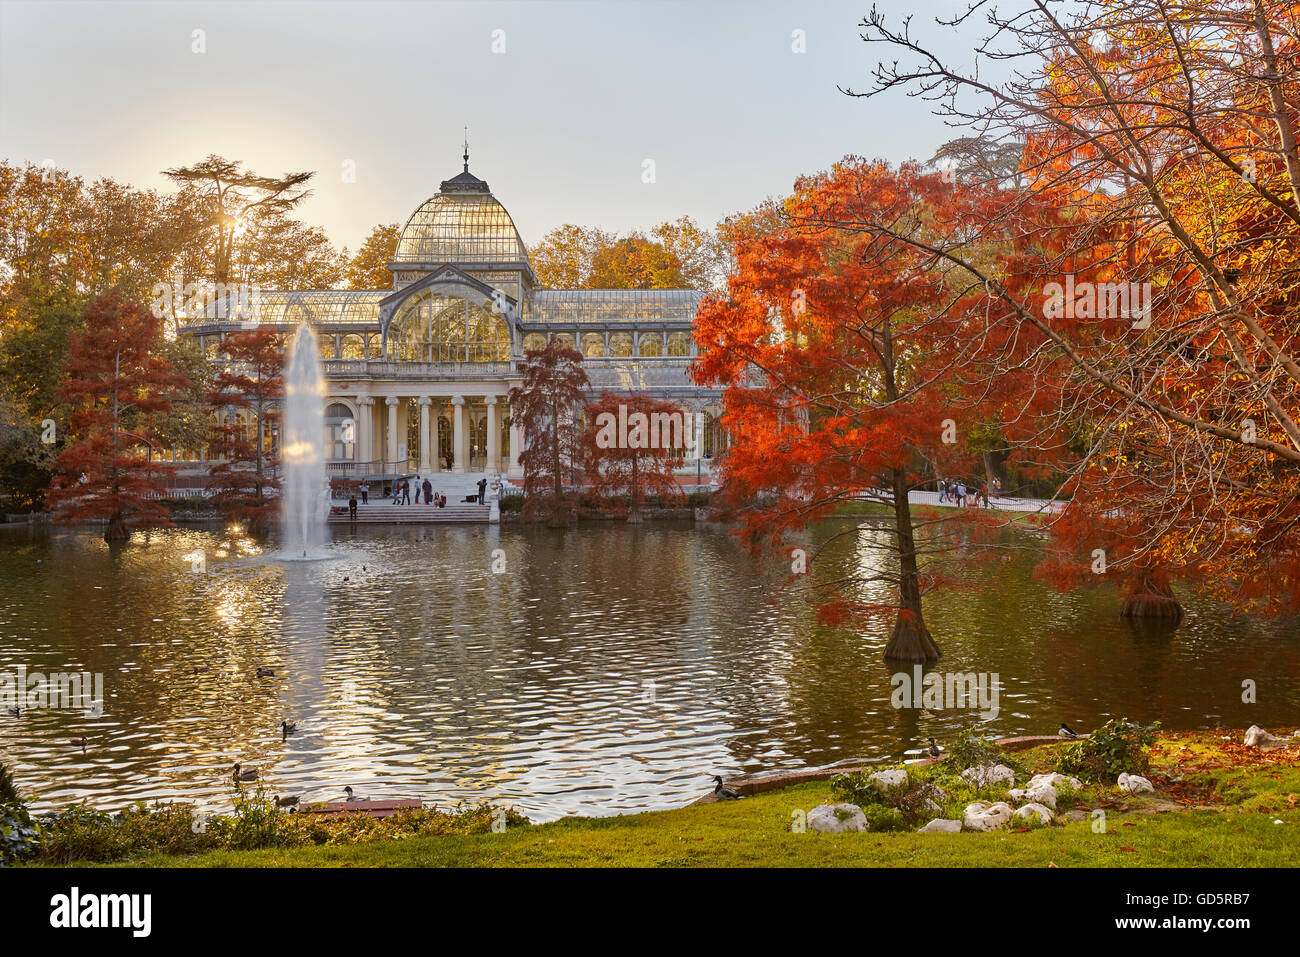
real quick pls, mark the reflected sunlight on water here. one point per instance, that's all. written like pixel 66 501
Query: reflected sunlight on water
pixel 412 670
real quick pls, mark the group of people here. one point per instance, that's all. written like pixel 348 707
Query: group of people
pixel 956 492
pixel 404 490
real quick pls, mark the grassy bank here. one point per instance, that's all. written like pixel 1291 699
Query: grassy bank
pixel 1216 805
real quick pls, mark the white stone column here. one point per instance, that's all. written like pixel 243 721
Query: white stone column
pixel 392 402
pixel 516 446
pixel 458 445
pixel 435 450
pixel 493 435
pixel 426 465
pixel 365 418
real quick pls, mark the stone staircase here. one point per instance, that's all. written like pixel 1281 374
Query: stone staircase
pixel 451 484
pixel 415 514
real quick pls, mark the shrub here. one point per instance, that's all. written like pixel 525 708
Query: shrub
pixel 970 750
pixel 856 787
pixel 881 817
pixel 19 836
pixel 8 790
pixel 1117 747
pixel 699 498
pixel 80 833
pixel 512 503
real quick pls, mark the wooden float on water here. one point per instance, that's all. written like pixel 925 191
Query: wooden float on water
pixel 368 808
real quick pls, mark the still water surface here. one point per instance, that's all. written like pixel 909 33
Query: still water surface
pixel 607 670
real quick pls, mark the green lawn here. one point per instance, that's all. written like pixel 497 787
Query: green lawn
pixel 1232 799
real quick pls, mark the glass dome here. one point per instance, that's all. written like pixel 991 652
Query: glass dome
pixel 461 224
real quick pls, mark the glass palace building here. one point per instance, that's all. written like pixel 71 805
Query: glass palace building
pixel 418 375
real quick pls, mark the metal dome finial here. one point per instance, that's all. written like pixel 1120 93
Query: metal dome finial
pixel 467 148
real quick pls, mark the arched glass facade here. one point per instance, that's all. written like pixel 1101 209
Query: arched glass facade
pixel 432 327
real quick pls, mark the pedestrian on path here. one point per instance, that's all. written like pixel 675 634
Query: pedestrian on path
pixel 365 493
pixel 352 508
pixel 961 494
pixel 406 492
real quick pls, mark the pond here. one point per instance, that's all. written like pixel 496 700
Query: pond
pixel 607 669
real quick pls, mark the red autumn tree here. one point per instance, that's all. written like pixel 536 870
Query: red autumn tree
pixel 1161 147
pixel 252 379
pixel 546 405
pixel 845 372
pixel 116 385
pixel 633 444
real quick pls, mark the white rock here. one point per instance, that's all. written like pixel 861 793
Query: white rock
pixel 837 818
pixel 985 775
pixel 1031 810
pixel 1257 737
pixel 1055 780
pixel 1135 784
pixel 941 826
pixel 986 817
pixel 888 780
pixel 1043 794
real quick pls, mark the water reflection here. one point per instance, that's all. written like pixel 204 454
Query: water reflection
pixel 609 669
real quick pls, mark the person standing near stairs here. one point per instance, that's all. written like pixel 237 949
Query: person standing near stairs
pixel 428 492
pixel 482 487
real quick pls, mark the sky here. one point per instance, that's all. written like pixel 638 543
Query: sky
pixel 565 101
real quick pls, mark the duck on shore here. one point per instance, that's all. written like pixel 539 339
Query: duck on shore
pixel 934 750
pixel 723 792
pixel 1066 731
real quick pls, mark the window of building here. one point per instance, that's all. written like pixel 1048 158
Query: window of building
pixel 620 344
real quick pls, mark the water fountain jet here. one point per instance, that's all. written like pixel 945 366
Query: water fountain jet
pixel 305 492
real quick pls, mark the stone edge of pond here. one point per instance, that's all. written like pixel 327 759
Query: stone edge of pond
pixel 774 782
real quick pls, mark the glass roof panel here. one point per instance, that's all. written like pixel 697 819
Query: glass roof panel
pixel 460 228
pixel 575 305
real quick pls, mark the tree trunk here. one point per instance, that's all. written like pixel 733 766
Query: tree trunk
pixel 1151 598
pixel 117 530
pixel 634 516
pixel 910 640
